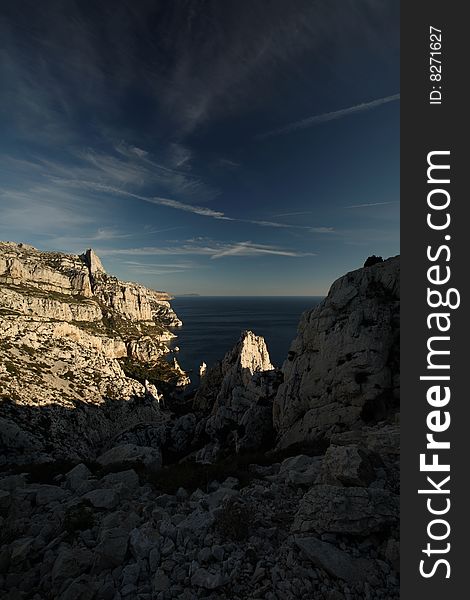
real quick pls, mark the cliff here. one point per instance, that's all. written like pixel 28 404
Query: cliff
pixel 67 329
pixel 342 370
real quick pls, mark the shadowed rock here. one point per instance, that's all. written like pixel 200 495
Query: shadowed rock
pixel 342 370
pixel 346 510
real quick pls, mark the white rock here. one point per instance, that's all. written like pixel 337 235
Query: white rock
pixel 343 367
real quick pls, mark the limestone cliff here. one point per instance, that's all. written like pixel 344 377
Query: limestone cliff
pixel 342 370
pixel 64 325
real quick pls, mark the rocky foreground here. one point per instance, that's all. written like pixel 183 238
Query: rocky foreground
pixel 270 483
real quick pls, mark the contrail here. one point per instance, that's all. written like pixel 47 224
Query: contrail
pixel 369 204
pixel 329 116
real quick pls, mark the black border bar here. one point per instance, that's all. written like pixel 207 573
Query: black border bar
pixel 425 128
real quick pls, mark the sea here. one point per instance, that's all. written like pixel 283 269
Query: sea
pixel 212 325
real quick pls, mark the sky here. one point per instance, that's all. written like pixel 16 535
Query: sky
pixel 243 147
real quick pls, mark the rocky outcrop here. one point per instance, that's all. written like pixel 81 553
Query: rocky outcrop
pixel 342 371
pixel 235 371
pixel 52 275
pixel 182 377
pixel 346 465
pixel 23 265
pixel 238 392
pixel 65 325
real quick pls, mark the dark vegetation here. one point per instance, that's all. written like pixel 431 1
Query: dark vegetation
pixel 28 290
pixel 373 260
pixel 235 520
pixel 186 474
pixel 79 517
pixel 160 373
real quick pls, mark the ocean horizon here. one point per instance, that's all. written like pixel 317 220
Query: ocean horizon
pixel 212 325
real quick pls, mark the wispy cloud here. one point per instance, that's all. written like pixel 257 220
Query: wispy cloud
pixel 43 210
pixel 322 229
pixel 250 249
pixel 231 164
pixel 368 204
pixel 89 172
pixel 232 67
pixel 184 265
pixel 328 116
pixel 135 166
pixel 212 249
pixel 292 214
pixel 197 210
pixel 179 155
pixel 202 211
pixel 192 66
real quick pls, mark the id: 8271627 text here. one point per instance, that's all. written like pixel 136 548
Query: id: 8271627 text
pixel 435 65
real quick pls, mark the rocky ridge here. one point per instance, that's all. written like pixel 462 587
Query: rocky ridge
pixel 342 370
pixel 254 491
pixel 64 325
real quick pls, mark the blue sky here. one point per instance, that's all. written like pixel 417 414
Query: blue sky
pixel 202 146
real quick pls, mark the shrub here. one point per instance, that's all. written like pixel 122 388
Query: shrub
pixel 373 260
pixel 79 518
pixel 158 373
pixel 235 520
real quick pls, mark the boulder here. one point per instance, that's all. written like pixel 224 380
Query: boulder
pixel 208 580
pixel 112 548
pixel 124 483
pixel 197 521
pixel 346 465
pixel 382 439
pixel 102 498
pixel 76 476
pixel 128 455
pixel 161 582
pixel 346 510
pixel 70 563
pixel 20 550
pixel 49 493
pixel 336 562
pixel 5 501
pixel 81 588
pixel 299 470
pixel 143 540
